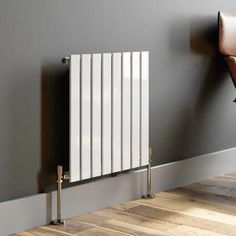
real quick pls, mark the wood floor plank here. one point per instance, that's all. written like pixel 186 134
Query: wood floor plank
pixel 182 219
pixel 133 229
pixel 101 232
pixel 129 217
pixel 122 215
pixel 193 207
pixel 221 181
pixel 233 174
pixel 72 226
pixel 92 218
pixel 198 197
pixel 184 230
pixel 126 205
pixel 207 208
pixel 201 195
pixel 159 225
pixel 43 232
pixel 226 178
pixel 217 190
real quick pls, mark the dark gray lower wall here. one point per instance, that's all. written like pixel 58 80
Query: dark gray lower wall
pixel 191 109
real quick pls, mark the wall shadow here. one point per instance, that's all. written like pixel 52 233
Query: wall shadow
pixel 54 123
pixel 204 42
pixel 55 127
pixel 194 38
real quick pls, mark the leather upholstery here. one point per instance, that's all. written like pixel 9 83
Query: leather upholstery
pixel 227 33
pixel 227 40
pixel 231 61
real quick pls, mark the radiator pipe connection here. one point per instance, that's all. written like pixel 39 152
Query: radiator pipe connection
pixel 65 60
pixel 149 177
pixel 60 178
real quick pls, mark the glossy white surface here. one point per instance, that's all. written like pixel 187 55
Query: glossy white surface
pixel 116 112
pixel 85 117
pixel 109 99
pixel 135 98
pixel 106 114
pixel 144 107
pixel 126 111
pixel 96 115
pixel 74 118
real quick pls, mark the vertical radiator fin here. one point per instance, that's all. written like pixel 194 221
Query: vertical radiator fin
pixel 135 91
pixel 96 115
pixel 85 116
pixel 144 107
pixel 75 118
pixel 106 114
pixel 116 112
pixel 126 111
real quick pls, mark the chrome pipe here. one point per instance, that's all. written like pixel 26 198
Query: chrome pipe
pixel 149 177
pixel 59 220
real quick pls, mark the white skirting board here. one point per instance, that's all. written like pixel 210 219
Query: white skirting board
pixel 21 214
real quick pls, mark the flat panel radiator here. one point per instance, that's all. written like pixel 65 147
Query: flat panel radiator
pixel 109 113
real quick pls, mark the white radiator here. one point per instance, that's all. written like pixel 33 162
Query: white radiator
pixel 109 113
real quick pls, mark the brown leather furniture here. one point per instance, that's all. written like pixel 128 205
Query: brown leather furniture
pixel 227 40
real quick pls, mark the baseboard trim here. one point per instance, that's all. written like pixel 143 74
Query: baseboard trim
pixel 39 209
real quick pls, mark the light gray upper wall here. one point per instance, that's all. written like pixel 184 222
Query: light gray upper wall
pixel 191 108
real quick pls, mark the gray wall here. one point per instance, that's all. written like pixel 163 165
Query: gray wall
pixel 191 109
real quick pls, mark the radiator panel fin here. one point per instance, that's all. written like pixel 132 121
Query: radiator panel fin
pixel 116 112
pixel 126 110
pixel 96 133
pixel 106 114
pixel 85 127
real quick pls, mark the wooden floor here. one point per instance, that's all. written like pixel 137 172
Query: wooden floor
pixel 205 208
